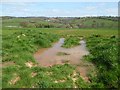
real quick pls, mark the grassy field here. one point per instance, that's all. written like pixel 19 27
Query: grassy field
pixel 20 69
pixel 64 32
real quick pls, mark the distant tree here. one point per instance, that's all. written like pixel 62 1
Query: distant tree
pixel 39 25
pixel 94 21
pixel 24 24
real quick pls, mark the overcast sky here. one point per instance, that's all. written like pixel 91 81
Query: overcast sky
pixel 59 9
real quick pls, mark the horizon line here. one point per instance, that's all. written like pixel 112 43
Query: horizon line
pixel 63 16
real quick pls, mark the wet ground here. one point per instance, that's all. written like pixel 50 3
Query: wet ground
pixel 59 55
pixel 49 57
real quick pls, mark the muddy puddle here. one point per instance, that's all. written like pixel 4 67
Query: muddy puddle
pixel 59 55
pixel 6 64
pixel 50 56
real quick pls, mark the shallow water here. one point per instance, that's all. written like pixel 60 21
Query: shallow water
pixel 49 57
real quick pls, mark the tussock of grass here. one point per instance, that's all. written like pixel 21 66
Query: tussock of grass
pixel 71 42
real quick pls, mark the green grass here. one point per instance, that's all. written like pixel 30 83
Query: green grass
pixel 104 55
pixel 58 73
pixel 64 32
pixel 20 44
pixel 19 47
pixel 28 41
pixel 71 42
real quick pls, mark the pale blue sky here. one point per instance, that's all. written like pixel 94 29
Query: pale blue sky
pixel 59 9
pixel 59 0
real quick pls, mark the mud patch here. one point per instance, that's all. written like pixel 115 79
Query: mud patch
pixel 30 64
pixel 84 68
pixel 33 74
pixel 83 72
pixel 6 64
pixel 14 80
pixel 74 77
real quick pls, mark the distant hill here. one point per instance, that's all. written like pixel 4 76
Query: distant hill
pixel 60 22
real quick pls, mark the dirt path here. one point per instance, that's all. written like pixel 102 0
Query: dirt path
pixel 59 55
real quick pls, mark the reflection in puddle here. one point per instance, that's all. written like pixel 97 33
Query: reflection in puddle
pixel 49 57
